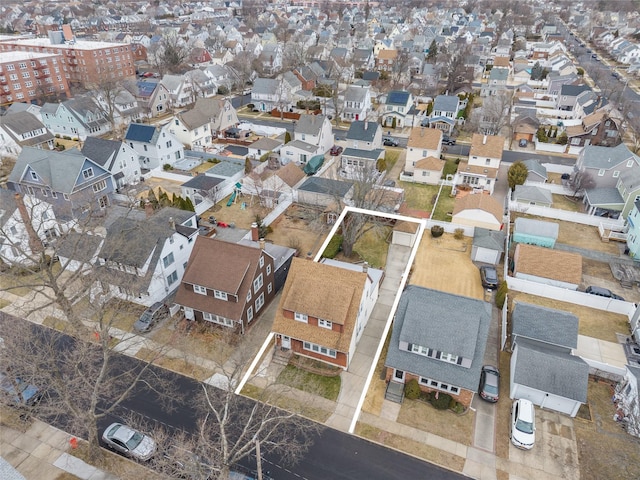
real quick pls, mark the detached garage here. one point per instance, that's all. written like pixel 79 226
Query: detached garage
pixel 487 246
pixel 543 368
pixel 404 233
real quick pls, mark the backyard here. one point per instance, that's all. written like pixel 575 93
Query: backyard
pixel 422 197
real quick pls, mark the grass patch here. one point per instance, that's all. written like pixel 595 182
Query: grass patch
pixel 563 202
pixel 288 403
pixel 503 414
pixel 591 322
pixel 418 196
pixel 180 365
pixel 113 463
pixel 327 387
pixel 373 247
pixel 417 449
pixel 119 314
pixel 446 424
pixel 390 158
pixel 603 438
pixel 56 323
pixel 450 168
pixel 4 303
pixel 445 205
pixel 375 395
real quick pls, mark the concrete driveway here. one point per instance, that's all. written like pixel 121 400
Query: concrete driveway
pixel 555 454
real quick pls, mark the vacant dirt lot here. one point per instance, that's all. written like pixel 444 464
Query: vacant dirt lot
pixel 444 264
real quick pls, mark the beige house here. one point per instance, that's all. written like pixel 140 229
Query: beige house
pixel 422 143
pixel 479 210
pixel 428 170
pixel 481 170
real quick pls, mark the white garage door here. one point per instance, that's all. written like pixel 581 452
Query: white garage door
pixel 403 238
pixel 485 255
pixel 559 404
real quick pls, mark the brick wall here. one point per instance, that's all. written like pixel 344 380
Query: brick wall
pixel 464 397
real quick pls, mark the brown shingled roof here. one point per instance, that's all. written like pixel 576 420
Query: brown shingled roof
pixel 491 148
pixel 291 174
pixel 423 137
pixel 479 201
pixel 549 263
pixel 430 163
pixel 477 170
pixel 322 291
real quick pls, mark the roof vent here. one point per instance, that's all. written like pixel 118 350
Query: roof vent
pixel 484 140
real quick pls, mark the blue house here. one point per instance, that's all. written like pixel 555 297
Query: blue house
pixel 535 232
pixel 633 234
pixel 79 117
pixel 72 183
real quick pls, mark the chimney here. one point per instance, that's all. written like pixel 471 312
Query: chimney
pixel 422 131
pixel 484 140
pixel 172 223
pixel 148 208
pixel 366 124
pixel 365 267
pixel 262 244
pixel 35 244
pixel 254 232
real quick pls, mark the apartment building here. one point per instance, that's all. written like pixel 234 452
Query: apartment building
pixel 30 77
pixel 81 62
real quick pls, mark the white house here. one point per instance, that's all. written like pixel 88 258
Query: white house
pixel 181 89
pixel 155 146
pixel 23 129
pixel 395 109
pixel 422 143
pixel 118 158
pixel 627 397
pixel 25 223
pixel 193 129
pixel 480 171
pixel 146 258
pixel 356 103
pixel 312 136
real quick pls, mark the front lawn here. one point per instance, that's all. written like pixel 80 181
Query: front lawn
pixel 445 205
pixel 327 387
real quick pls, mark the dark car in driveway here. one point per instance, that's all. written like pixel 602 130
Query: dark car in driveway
pixel 390 142
pixel 151 316
pixel 489 388
pixel 335 150
pixel 489 277
pixel 447 140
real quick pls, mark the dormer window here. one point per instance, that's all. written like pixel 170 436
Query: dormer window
pixel 220 295
pixel 199 290
pixel 34 176
pixel 325 324
pixel 88 173
pixel 301 317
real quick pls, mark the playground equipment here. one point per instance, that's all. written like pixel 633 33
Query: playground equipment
pixel 237 191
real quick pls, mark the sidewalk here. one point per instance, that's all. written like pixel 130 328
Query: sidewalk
pixel 42 453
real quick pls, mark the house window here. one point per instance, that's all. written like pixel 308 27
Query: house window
pixel 13 230
pixel 249 314
pixel 301 317
pixel 398 374
pixel 257 284
pixel 34 176
pixel 200 290
pixel 30 191
pixel 438 385
pixel 249 296
pixel 209 317
pixel 269 287
pixel 168 260
pixel 601 172
pixel 630 163
pixel 65 196
pixel 269 269
pixel 259 302
pixel 88 173
pixel 98 187
pixel 169 143
pixel 616 174
pixel 448 357
pixel 172 278
pixel 54 194
pixel 261 262
pixel 220 295
pixel 319 349
pixel 325 324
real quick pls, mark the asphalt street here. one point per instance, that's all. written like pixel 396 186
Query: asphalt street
pixel 334 455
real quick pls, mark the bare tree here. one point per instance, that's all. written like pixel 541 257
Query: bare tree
pixel 170 54
pixel 242 65
pixel 452 64
pixel 581 181
pixel 494 115
pixel 106 92
pixel 295 54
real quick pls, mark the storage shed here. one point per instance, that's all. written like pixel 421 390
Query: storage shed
pixel 535 232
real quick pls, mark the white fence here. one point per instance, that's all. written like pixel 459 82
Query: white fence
pixel 552 187
pixel 549 147
pixel 451 227
pixel 565 215
pixel 571 296
pixel 557 168
pixel 283 204
pixel 175 177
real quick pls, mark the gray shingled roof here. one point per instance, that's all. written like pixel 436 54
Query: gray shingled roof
pixel 310 124
pixel 490 239
pixel 194 118
pixel 101 151
pixel 532 193
pixel 551 370
pixel 326 186
pixel 534 166
pixel 358 132
pixel 203 182
pixel 539 228
pixel 265 86
pixel 58 170
pixel 445 322
pixel 594 156
pixel 21 122
pixel 8 203
pixel 548 325
pixel 226 168
pixel 604 196
pixel 500 74
pixel 374 154
pixel 446 103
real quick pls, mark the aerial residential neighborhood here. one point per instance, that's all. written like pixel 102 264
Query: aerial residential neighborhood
pixel 313 239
